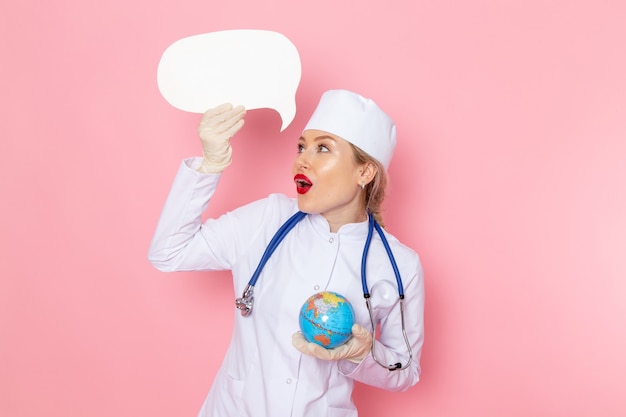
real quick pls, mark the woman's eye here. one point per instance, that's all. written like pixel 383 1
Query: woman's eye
pixel 322 148
pixel 300 148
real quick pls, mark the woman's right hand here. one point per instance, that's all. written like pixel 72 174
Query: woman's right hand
pixel 216 128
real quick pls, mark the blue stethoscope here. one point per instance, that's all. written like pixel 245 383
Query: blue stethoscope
pixel 245 302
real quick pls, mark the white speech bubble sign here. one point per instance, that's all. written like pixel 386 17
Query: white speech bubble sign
pixel 253 68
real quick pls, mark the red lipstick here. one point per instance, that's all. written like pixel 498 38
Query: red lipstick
pixel 303 184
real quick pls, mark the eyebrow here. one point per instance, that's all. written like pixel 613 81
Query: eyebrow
pixel 318 138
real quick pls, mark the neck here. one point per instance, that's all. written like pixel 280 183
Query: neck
pixel 336 220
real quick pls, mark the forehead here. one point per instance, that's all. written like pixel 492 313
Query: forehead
pixel 314 135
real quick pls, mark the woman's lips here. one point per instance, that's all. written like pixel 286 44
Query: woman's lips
pixel 303 184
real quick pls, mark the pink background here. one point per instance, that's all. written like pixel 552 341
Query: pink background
pixel 509 180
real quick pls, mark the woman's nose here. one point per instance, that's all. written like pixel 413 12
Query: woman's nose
pixel 302 160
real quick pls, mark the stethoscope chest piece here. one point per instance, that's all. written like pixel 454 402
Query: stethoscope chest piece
pixel 245 302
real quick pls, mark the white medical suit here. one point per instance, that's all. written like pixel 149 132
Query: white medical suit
pixel 263 375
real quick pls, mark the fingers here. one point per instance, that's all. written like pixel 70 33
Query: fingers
pixel 299 342
pixel 354 350
pixel 221 124
pixel 317 351
pixel 217 127
pixel 311 349
pixel 223 114
pixel 219 109
pixel 230 132
pixel 360 333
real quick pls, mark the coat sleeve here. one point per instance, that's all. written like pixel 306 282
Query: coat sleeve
pixel 390 347
pixel 182 242
pixel 179 242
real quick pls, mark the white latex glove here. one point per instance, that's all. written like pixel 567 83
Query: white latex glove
pixel 354 350
pixel 216 128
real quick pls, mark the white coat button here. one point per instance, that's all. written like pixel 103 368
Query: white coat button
pixel 317 287
pixel 331 240
pixel 288 380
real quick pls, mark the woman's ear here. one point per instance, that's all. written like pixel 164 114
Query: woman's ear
pixel 368 172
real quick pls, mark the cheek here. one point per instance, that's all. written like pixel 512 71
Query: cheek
pixel 342 175
pixel 339 188
pixel 333 168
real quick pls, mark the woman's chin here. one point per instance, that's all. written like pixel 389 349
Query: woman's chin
pixel 306 207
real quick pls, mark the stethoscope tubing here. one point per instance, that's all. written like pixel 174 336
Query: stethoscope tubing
pixel 271 247
pixel 246 301
pixel 373 224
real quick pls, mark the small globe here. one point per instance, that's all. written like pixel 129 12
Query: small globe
pixel 326 318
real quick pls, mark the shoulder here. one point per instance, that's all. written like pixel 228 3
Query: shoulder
pixel 267 213
pixel 404 255
pixel 282 201
pixel 275 205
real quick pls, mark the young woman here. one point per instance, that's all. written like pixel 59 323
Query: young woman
pixel 340 175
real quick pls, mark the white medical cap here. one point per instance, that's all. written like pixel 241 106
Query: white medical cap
pixel 358 120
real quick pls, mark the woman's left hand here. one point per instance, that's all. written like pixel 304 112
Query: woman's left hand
pixel 354 350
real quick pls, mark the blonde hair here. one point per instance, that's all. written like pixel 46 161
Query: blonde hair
pixel 374 191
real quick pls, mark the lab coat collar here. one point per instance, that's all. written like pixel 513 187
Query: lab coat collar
pixel 353 231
